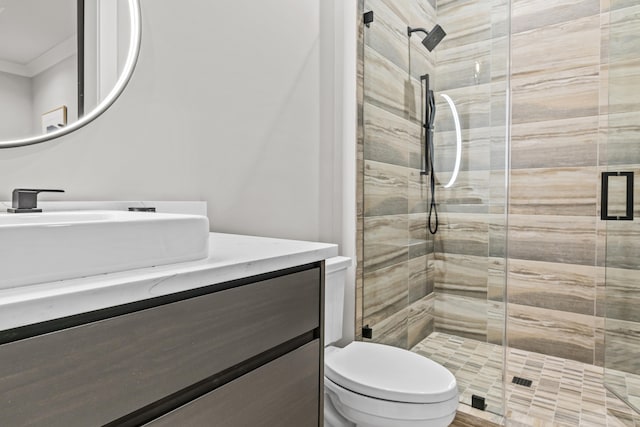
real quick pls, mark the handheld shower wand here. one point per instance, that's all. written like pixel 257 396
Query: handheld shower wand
pixel 429 119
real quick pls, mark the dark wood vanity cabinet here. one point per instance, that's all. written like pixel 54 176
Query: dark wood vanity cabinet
pixel 242 353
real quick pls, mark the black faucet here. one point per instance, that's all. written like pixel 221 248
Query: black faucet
pixel 25 200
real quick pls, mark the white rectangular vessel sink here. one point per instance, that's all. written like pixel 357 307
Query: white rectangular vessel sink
pixel 50 246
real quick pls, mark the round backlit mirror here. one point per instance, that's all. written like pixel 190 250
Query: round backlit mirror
pixel 62 64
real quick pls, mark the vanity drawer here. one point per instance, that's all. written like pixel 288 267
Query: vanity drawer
pixel 95 373
pixel 284 392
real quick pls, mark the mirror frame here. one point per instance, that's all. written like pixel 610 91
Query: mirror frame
pixel 121 83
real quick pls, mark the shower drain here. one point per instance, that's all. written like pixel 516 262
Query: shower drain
pixel 522 381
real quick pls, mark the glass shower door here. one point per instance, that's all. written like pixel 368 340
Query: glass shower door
pixel 397 298
pixel 620 168
pixel 440 295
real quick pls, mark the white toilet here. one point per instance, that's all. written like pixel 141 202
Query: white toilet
pixel 367 384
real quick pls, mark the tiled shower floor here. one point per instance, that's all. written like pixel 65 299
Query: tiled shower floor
pixel 563 392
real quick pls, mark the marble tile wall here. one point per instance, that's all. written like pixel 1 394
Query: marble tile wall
pixel 395 296
pixel 574 114
pixel 411 283
pixel 471 64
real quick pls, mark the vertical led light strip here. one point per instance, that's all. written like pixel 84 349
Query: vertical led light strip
pixel 456 120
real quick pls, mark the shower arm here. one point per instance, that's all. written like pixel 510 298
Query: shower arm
pixel 414 30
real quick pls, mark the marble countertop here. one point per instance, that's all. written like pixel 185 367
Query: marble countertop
pixel 231 257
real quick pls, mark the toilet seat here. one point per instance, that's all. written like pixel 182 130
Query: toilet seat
pixel 372 411
pixel 390 374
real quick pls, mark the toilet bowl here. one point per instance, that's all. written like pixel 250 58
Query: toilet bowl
pixel 368 384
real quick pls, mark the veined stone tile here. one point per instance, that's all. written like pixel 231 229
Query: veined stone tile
pixel 601 242
pixel 462 234
pixel 624 79
pixel 497 234
pixel 420 281
pixel 623 244
pixel 554 286
pixel 623 33
pixel 419 242
pixel 464 275
pixel 496 279
pixel 421 323
pixel 549 238
pixel 473 104
pixel 500 13
pixel 498 178
pixel 496 316
pixel 461 316
pixel 622 345
pixel 622 298
pixel 555 143
pixel 418 192
pixel 465 21
pixel 600 291
pixel 476 150
pixel 388 36
pixel 392 330
pixel 551 332
pixel 385 241
pixel 359 246
pixel 463 208
pixel 605 36
pixel 617 4
pixel 416 154
pixel 386 292
pixel 604 92
pixel 621 139
pixel 547 50
pixel 556 95
pixel 390 88
pixel 413 12
pixel 464 65
pixel 533 14
pixel 386 189
pixel 499 61
pixel 599 335
pixel 553 191
pixel 418 236
pixel 470 188
pixel 388 137
pixel 500 115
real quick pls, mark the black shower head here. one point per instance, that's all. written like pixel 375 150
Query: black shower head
pixel 433 37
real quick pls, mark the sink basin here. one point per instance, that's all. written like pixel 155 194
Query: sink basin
pixel 50 246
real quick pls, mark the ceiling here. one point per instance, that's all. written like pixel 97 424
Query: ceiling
pixel 29 28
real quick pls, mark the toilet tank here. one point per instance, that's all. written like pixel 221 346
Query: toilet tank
pixel 334 286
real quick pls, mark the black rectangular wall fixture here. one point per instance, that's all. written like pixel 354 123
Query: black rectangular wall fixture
pixel 604 208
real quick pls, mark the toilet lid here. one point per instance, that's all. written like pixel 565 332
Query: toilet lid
pixel 389 373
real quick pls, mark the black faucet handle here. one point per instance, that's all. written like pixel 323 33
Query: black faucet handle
pixel 26 199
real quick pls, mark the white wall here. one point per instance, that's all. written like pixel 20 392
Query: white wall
pixel 224 106
pixel 338 137
pixel 247 105
pixel 15 105
pixel 53 88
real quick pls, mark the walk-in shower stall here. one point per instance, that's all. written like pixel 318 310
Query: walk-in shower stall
pixel 498 141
